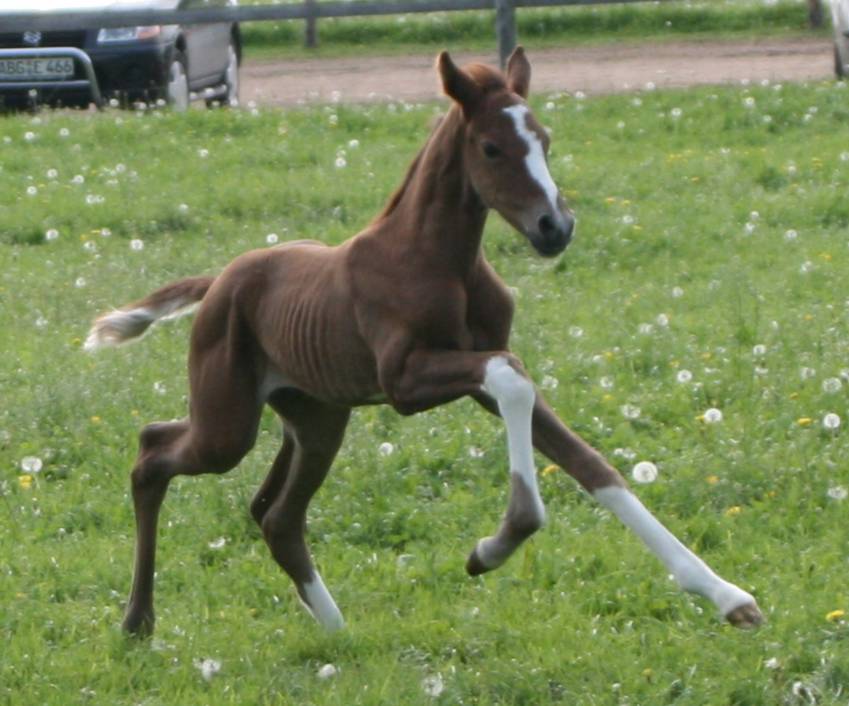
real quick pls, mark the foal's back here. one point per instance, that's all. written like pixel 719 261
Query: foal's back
pixel 292 305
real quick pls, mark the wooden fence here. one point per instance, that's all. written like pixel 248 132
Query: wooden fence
pixel 310 11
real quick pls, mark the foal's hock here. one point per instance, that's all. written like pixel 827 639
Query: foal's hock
pixel 408 313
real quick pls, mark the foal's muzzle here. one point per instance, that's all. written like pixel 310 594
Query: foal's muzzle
pixel 552 233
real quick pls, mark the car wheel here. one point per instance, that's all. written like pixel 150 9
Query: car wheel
pixel 231 80
pixel 839 64
pixel 177 88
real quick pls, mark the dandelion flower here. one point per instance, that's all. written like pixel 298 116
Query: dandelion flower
pixel 218 543
pixel 835 615
pixel 271 238
pixel 550 469
pixel 51 234
pixel 644 472
pixel 386 449
pixel 733 511
pixel 341 162
pixel 684 376
pixel 759 350
pixel 25 481
pixel 804 421
pixel 136 244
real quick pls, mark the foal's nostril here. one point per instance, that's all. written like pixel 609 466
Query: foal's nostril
pixel 547 226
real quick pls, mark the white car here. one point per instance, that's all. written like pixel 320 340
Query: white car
pixel 840 20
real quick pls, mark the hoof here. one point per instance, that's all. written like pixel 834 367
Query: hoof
pixel 474 565
pixel 138 624
pixel 746 616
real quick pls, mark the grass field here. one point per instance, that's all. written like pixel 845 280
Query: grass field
pixel 540 27
pixel 709 271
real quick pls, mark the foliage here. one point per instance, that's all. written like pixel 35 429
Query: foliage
pixel 712 239
pixel 539 27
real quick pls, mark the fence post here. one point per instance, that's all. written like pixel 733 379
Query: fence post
pixel 310 31
pixel 815 13
pixel 505 29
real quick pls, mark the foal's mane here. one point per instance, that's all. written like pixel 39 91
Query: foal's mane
pixel 490 81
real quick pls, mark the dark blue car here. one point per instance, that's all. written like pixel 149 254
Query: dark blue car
pixel 152 64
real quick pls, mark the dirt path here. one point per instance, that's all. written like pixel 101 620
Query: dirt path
pixel 596 69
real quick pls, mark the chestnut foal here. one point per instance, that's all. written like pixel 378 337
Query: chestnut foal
pixel 409 313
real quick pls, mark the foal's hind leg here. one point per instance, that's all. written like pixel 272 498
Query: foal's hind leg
pixel 221 430
pixel 317 431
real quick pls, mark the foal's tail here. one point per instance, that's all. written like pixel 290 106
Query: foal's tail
pixel 132 320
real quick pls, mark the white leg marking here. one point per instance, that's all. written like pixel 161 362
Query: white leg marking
pixel 535 159
pixel 691 573
pixel 515 396
pixel 321 605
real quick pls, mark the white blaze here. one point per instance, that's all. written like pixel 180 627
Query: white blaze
pixel 535 159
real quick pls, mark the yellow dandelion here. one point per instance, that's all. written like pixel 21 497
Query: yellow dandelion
pixel 610 199
pixel 808 317
pixel 648 673
pixel 695 179
pixel 707 355
pixel 733 511
pixel 25 481
pixel 607 397
pixel 804 421
pixel 548 470
pixel 826 256
pixel 835 615
pixel 609 355
pixel 793 395
pixel 712 480
pixel 134 413
pixel 95 419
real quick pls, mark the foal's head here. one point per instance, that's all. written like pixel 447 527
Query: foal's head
pixel 506 150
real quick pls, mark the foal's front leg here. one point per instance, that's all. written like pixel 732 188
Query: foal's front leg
pixel 607 486
pixel 430 378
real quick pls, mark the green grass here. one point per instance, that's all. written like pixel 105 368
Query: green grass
pixel 550 27
pixel 663 277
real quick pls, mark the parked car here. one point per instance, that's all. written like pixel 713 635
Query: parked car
pixel 840 17
pixel 79 66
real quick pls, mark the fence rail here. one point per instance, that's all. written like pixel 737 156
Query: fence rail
pixel 308 10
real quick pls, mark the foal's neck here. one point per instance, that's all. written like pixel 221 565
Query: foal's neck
pixel 436 215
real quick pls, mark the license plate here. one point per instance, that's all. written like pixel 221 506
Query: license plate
pixel 40 69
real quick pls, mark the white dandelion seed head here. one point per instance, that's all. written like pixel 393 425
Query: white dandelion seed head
pixel 606 383
pixel 51 234
pixel 183 208
pixel 41 322
pixel 650 85
pixel 159 387
pixel 333 119
pixel 386 448
pixel 749 102
pixel 676 113
pixel 754 215
pixel 832 385
pixel 662 320
pixel 630 411
pixel 806 373
pixel 341 162
pixel 645 329
pixel 136 244
pixel 32 190
pixel 64 132
pixel 749 228
pixel 791 235
pixel 218 543
pixel 806 267
pixel 677 292
pixel 626 453
pixel 203 153
pixel 837 492
pixel 576 331
pixel 79 282
pixel 353 144
pixel 684 376
pixel 327 671
pixel 208 667
pixel 549 382
pixel 644 472
pixel 271 238
pixel 433 685
pixel 712 415
pixel 476 452
pixel 772 663
pixel 759 349
pixel 105 232
pixel 31 464
pixel 52 173
pixel 90 246
pixel 78 179
pixel 831 421
pixel 844 156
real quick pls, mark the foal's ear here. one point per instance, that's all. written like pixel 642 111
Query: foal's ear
pixel 519 72
pixel 458 85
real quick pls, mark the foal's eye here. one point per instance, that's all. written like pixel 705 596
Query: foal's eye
pixel 490 150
